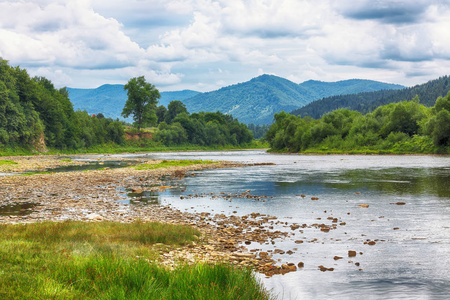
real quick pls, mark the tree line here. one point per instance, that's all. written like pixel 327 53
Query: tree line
pixel 406 126
pixel 32 111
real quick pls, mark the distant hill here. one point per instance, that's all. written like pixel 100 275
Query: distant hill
pixel 368 101
pixel 257 100
pixel 352 86
pixel 110 99
pixel 254 101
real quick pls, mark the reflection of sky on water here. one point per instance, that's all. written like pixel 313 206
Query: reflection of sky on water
pixel 412 262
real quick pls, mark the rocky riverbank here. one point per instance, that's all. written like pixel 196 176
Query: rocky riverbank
pixel 93 196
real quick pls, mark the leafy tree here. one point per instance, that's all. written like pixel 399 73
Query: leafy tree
pixel 171 134
pixel 141 103
pixel 442 103
pixel 441 128
pixel 160 112
pixel 174 109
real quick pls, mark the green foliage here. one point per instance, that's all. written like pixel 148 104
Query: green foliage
pixel 32 111
pixel 174 109
pixel 404 127
pixel 259 131
pixel 160 113
pixel 173 134
pixel 7 162
pixel 142 100
pixel 203 129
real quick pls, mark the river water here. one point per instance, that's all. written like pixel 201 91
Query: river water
pixel 407 221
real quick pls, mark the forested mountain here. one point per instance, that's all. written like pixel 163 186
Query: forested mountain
pixel 322 89
pixel 254 101
pixel 33 114
pixel 368 101
pixel 109 99
pixel 257 100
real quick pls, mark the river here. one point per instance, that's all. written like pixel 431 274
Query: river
pixel 402 239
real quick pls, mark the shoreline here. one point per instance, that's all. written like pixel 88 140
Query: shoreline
pixel 92 196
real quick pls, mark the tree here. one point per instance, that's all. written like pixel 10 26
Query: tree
pixel 141 103
pixel 174 109
pixel 441 128
pixel 160 112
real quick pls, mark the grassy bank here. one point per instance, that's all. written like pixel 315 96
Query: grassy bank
pixel 131 147
pixel 78 260
pixel 415 145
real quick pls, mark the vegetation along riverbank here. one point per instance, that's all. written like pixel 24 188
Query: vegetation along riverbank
pixel 396 128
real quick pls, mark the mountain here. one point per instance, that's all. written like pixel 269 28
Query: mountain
pixel 368 101
pixel 352 86
pixel 109 99
pixel 257 100
pixel 254 101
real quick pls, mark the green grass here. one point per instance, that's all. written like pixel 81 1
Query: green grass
pixel 7 162
pixel 35 173
pixel 107 260
pixel 173 163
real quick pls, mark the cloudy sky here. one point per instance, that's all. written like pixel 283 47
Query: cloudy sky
pixel 206 44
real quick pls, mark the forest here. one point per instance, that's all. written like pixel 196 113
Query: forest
pixel 33 114
pixel 404 127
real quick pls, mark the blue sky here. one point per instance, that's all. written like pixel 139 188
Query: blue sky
pixel 207 44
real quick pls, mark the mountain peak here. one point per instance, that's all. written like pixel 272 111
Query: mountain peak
pixel 265 78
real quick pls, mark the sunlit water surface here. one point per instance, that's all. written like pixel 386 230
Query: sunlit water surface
pixel 411 257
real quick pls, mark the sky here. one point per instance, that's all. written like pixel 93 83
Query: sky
pixel 204 45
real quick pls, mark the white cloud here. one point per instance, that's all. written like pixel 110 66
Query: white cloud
pixel 272 19
pixel 65 34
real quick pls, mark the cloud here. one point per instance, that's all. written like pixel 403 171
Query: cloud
pixel 64 34
pixel 69 35
pixel 387 11
pixel 183 43
pixel 272 19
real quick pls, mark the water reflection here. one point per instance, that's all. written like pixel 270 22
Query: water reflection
pixel 17 209
pixel 142 198
pixel 411 258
